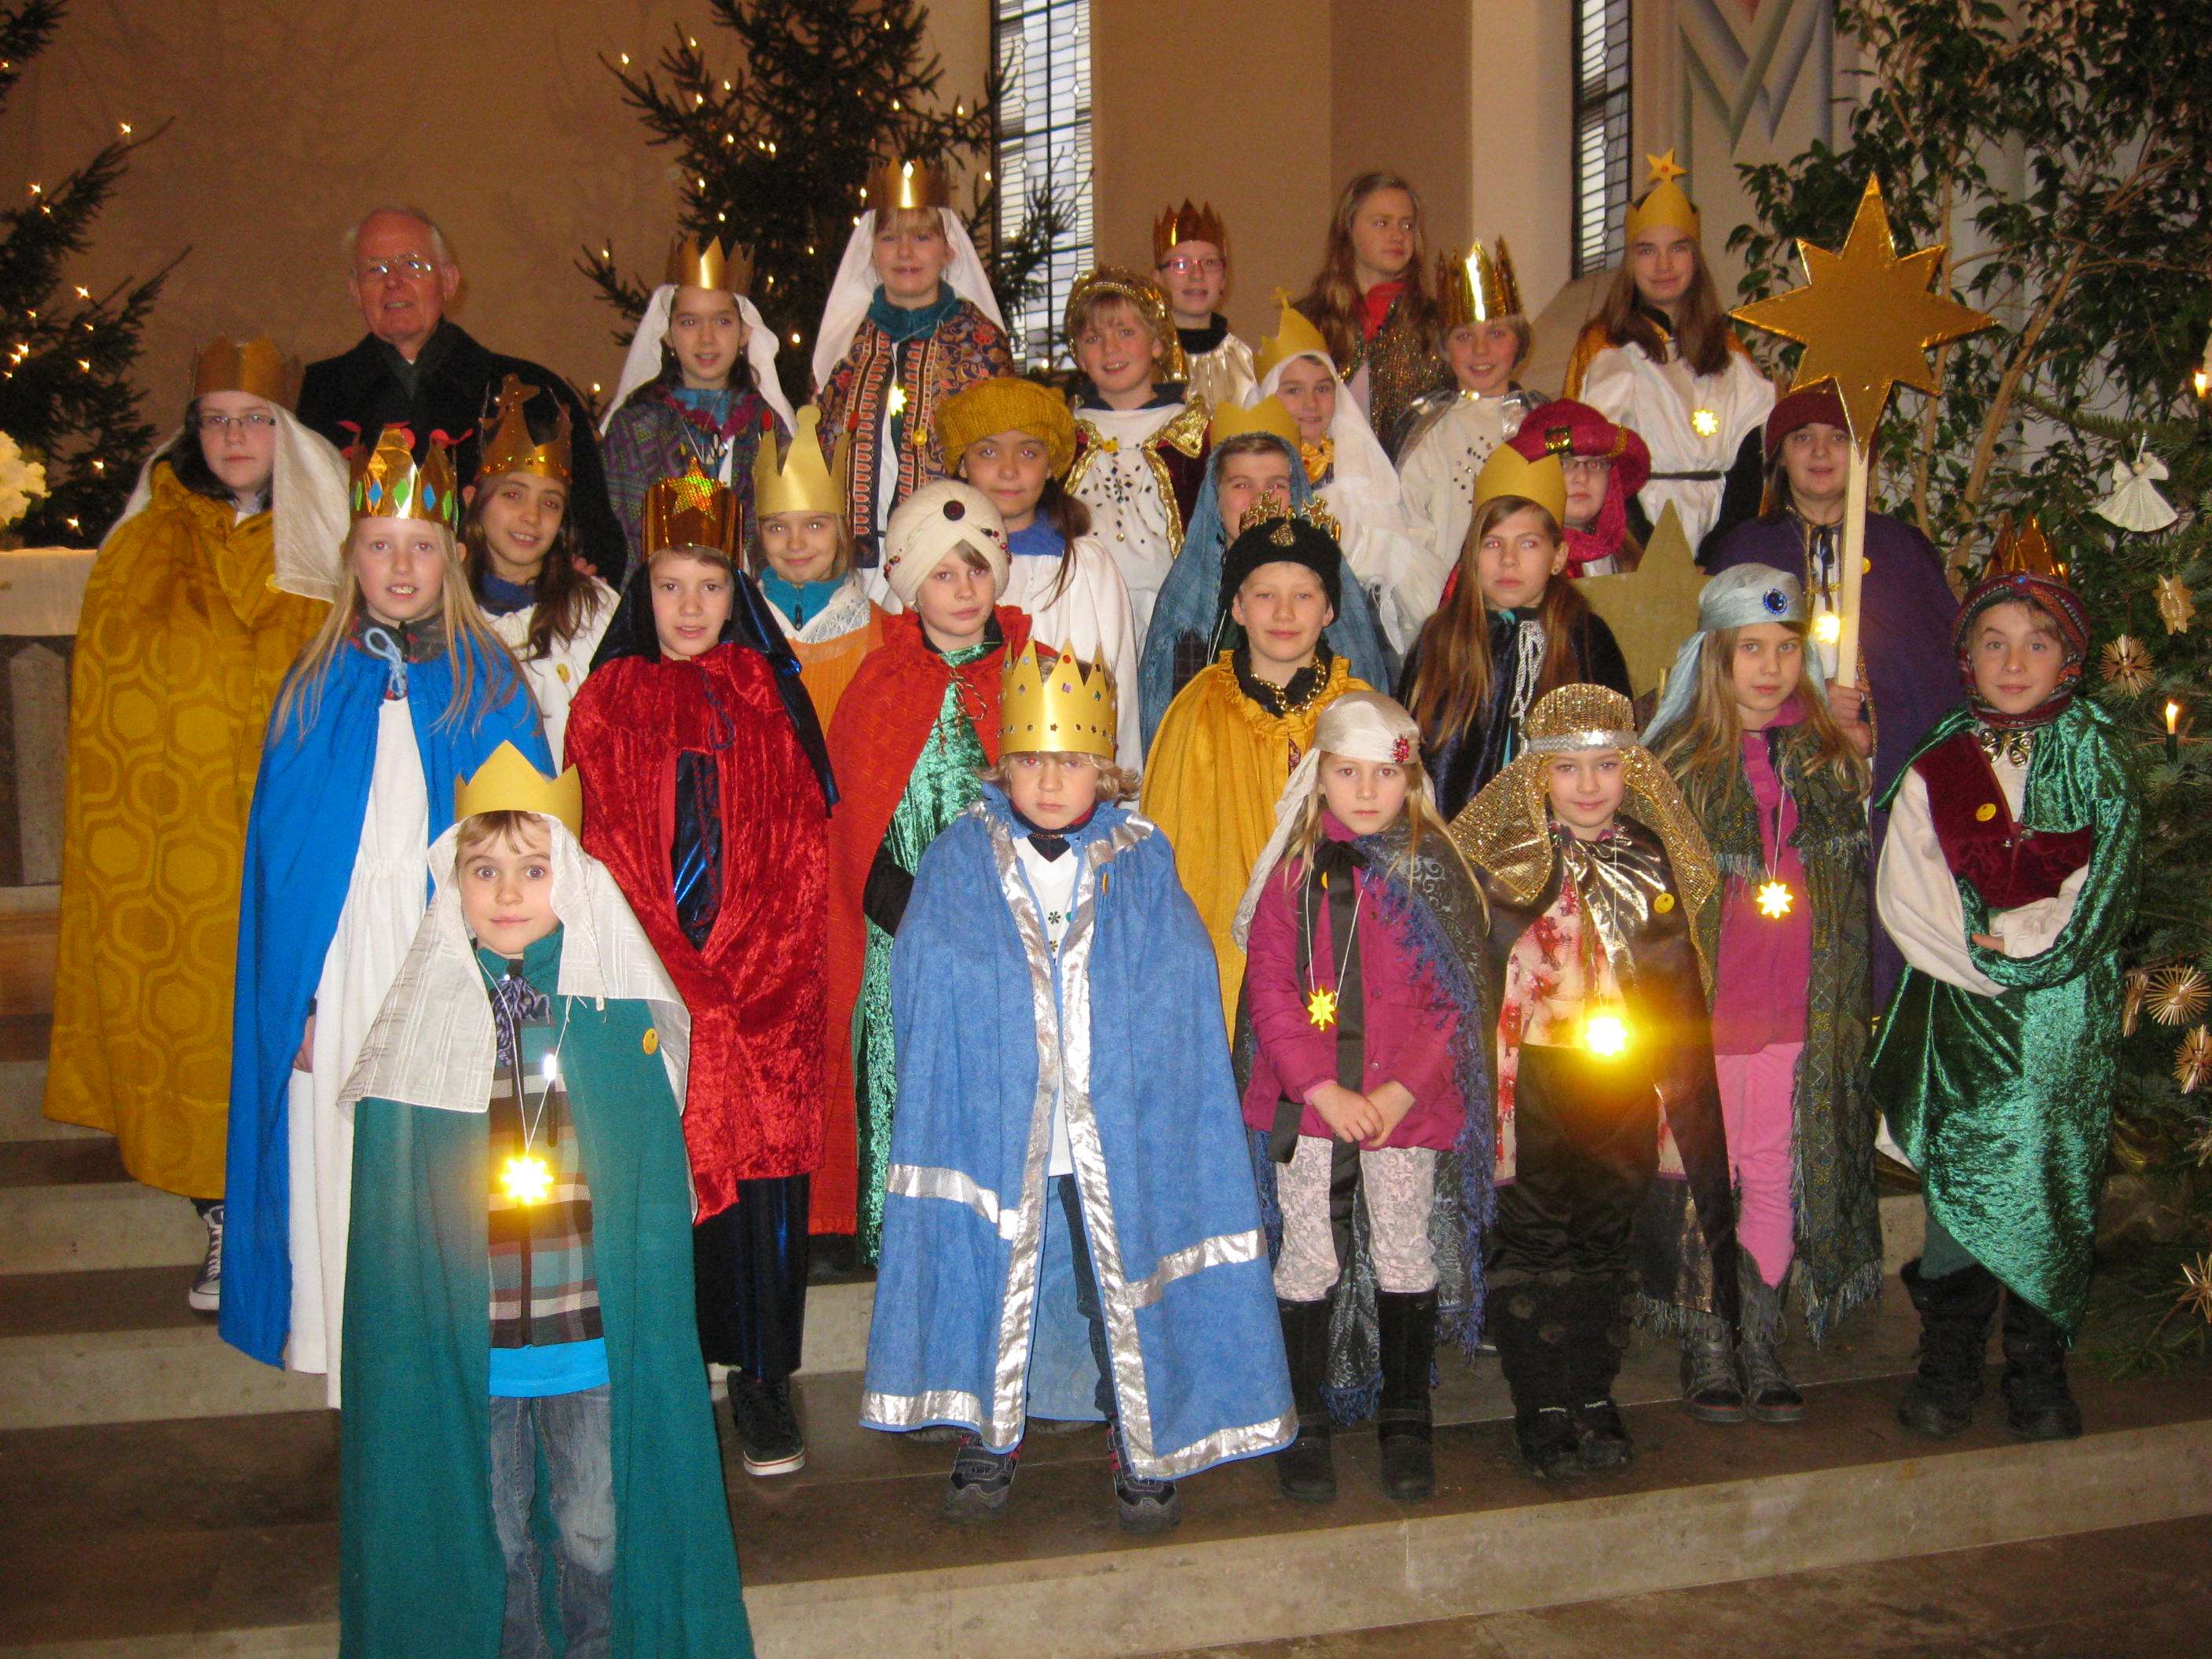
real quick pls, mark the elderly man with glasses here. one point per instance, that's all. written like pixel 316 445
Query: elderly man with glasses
pixel 418 367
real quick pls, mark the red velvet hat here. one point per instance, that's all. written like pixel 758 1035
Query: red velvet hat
pixel 1817 402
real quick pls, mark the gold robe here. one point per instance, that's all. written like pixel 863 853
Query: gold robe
pixel 183 642
pixel 1219 765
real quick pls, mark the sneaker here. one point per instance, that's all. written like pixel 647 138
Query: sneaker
pixel 982 1481
pixel 767 1428
pixel 206 1293
pixel 1141 1506
pixel 1601 1442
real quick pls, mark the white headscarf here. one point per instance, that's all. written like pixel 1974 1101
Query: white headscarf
pixel 308 490
pixel 856 283
pixel 643 361
pixel 1363 725
pixel 433 1044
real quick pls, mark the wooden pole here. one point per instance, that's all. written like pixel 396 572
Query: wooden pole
pixel 1854 570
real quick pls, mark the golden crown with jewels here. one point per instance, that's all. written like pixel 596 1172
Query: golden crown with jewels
pixel 1188 224
pixel 1272 510
pixel 508 445
pixel 508 783
pixel 254 367
pixel 388 483
pixel 692 511
pixel 908 185
pixel 1063 706
pixel 707 264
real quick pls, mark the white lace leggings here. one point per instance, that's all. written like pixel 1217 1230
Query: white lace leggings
pixel 1399 1185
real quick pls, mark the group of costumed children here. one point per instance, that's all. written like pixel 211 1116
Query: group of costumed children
pixel 1472 1017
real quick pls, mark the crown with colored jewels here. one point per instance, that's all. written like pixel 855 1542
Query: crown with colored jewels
pixel 1509 473
pixel 1478 289
pixel 508 446
pixel 508 783
pixel 707 265
pixel 1187 224
pixel 804 483
pixel 1271 510
pixel 692 511
pixel 908 184
pixel 1267 415
pixel 1666 205
pixel 1066 707
pixel 1294 336
pixel 2023 550
pixel 388 483
pixel 254 367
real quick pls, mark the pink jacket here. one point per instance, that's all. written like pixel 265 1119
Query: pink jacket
pixel 1409 1021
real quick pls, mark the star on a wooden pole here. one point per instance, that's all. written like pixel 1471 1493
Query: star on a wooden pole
pixel 1866 317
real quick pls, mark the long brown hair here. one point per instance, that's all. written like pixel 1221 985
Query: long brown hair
pixel 1705 750
pixel 1330 302
pixel 564 592
pixel 1451 683
pixel 1700 326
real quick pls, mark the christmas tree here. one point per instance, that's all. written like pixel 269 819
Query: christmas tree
pixel 774 156
pixel 65 354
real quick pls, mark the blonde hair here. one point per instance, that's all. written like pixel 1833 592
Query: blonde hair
pixel 1705 750
pixel 841 566
pixel 485 673
pixel 1115 783
pixel 914 221
pixel 517 829
pixel 1422 820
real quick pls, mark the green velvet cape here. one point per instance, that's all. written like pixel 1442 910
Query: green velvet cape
pixel 420 1573
pixel 2004 1103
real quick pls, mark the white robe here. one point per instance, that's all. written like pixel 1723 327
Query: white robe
pixel 1659 402
pixel 1130 519
pixel 555 677
pixel 384 904
pixel 1437 469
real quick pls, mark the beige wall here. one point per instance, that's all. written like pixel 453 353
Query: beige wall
pixel 1403 81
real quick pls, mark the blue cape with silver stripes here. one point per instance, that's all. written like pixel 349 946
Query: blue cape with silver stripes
pixel 974 1316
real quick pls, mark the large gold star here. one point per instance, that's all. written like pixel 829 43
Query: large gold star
pixel 1865 316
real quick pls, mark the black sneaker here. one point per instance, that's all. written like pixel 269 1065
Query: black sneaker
pixel 1601 1439
pixel 767 1431
pixel 1143 1506
pixel 206 1293
pixel 982 1481
pixel 1546 1443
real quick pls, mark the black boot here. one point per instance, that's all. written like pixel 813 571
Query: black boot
pixel 1603 1310
pixel 2038 1406
pixel 768 1428
pixel 1304 1468
pixel 1769 1394
pixel 1404 1422
pixel 1954 1332
pixel 1527 1323
pixel 1711 1391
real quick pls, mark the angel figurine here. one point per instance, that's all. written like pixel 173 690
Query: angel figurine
pixel 2134 502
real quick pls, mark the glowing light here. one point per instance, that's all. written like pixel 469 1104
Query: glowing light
pixel 526 1178
pixel 1320 1008
pixel 2172 718
pixel 2202 381
pixel 126 125
pixel 1704 422
pixel 1774 899
pixel 898 400
pixel 1827 628
pixel 794 339
pixel 1605 1035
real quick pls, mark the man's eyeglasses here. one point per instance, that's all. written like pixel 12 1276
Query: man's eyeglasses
pixel 1185 266
pixel 380 271
pixel 254 420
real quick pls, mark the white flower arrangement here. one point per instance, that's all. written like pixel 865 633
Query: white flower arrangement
pixel 21 482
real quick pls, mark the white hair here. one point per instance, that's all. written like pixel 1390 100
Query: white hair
pixel 440 250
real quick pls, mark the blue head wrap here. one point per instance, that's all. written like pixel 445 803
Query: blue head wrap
pixel 1739 598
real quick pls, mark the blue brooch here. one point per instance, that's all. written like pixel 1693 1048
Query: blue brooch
pixel 1775 600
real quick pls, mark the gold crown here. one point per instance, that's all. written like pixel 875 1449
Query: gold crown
pixel 804 483
pixel 1666 205
pixel 707 265
pixel 2023 550
pixel 508 783
pixel 1294 335
pixel 1272 510
pixel 508 445
pixel 908 185
pixel 387 483
pixel 254 367
pixel 1478 289
pixel 1267 415
pixel 692 511
pixel 1187 224
pixel 1065 709
pixel 1509 473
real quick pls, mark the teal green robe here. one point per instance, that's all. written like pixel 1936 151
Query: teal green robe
pixel 2004 1103
pixel 421 1575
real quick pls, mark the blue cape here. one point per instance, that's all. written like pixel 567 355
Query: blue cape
pixel 309 801
pixel 973 1297
pixel 1190 626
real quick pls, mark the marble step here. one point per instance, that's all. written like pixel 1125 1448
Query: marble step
pixel 219 1536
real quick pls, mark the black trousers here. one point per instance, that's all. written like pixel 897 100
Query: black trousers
pixel 1587 1144
pixel 1086 1288
pixel 749 1267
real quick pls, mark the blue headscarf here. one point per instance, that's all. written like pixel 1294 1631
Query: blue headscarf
pixel 1736 598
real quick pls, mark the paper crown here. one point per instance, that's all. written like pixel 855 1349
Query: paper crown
pixel 1187 224
pixel 388 483
pixel 1666 206
pixel 908 184
pixel 1267 415
pixel 803 481
pixel 692 511
pixel 508 783
pixel 1067 707
pixel 1478 289
pixel 1508 472
pixel 508 445
pixel 2023 550
pixel 695 264
pixel 254 367
pixel 1294 336
pixel 1274 510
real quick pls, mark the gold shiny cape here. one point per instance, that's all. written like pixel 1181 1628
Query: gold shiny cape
pixel 1218 766
pixel 183 645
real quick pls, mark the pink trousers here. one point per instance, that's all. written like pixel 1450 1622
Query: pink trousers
pixel 1755 1109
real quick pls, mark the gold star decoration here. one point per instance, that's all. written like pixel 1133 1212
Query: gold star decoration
pixel 2177 995
pixel 1865 316
pixel 2177 605
pixel 1704 422
pixel 1664 168
pixel 2127 665
pixel 898 400
pixel 1320 1008
pixel 1774 900
pixel 2201 1148
pixel 2197 1287
pixel 2192 1061
pixel 2137 985
pixel 526 1178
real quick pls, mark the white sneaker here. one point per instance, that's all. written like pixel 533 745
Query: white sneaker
pixel 206 1293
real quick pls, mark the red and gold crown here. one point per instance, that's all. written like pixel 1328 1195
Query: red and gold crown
pixel 692 264
pixel 908 185
pixel 1064 706
pixel 1187 224
pixel 254 367
pixel 508 445
pixel 692 511
pixel 388 483
pixel 1477 289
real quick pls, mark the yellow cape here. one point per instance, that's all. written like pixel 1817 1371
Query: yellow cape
pixel 1219 765
pixel 183 645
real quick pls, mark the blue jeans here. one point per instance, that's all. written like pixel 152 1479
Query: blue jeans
pixel 573 1430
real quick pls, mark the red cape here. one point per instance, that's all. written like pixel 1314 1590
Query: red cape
pixel 881 722
pixel 754 1106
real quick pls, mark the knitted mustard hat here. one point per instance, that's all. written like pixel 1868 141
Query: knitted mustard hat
pixel 1007 404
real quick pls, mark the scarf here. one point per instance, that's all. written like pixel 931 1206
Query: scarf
pixel 1374 307
pixel 903 324
pixel 799 600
